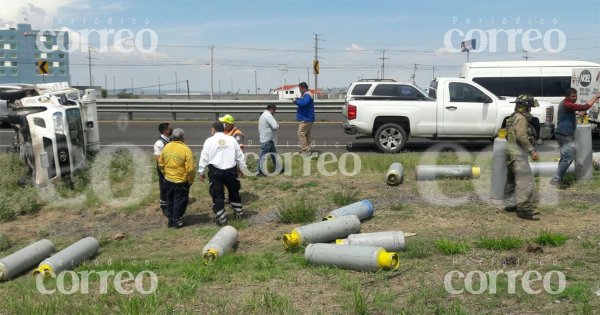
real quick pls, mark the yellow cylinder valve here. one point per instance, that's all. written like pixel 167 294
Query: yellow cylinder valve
pixel 387 260
pixel 476 171
pixel 292 239
pixel 44 270
pixel 210 255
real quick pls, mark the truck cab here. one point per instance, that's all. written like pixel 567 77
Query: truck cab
pixel 55 127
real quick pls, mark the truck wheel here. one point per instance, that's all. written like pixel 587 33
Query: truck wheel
pixel 390 138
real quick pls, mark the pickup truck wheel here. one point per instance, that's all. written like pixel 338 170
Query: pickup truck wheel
pixel 390 138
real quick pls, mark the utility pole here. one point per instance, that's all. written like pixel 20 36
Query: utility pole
pixel 414 75
pixel 105 84
pixel 114 87
pixel 131 85
pixel 158 86
pixel 433 73
pixel 283 71
pixel 255 83
pixel 90 66
pixel 383 58
pixel 212 63
pixel 176 84
pixel 316 60
pixel 526 57
pixel 308 76
pixel 187 83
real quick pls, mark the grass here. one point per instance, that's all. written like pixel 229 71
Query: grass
pixel 548 238
pixel 4 242
pixel 503 243
pixel 448 247
pixel 261 277
pixel 298 211
pixel 345 197
pixel 15 200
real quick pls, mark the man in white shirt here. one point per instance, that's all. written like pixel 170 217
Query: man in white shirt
pixel 267 133
pixel 222 156
pixel 164 138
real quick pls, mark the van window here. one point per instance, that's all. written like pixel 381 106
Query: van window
pixel 360 89
pixel 465 93
pixel 535 86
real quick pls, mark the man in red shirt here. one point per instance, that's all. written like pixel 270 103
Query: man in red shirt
pixel 565 131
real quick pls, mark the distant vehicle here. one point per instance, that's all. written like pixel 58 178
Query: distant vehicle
pixel 455 109
pixel 544 80
pixel 55 128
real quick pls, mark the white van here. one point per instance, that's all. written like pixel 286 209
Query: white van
pixel 544 80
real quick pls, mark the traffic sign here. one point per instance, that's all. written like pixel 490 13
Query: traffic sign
pixel 42 67
pixel 316 66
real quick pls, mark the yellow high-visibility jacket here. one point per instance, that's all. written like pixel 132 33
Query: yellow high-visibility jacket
pixel 177 163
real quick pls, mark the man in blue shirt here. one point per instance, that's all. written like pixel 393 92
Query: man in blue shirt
pixel 305 114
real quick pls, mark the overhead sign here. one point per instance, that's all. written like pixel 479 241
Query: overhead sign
pixel 316 66
pixel 42 67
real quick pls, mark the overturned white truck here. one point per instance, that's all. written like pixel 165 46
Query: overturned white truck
pixel 55 127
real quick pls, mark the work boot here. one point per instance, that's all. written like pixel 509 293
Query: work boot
pixel 528 215
pixel 510 209
pixel 238 214
pixel 558 184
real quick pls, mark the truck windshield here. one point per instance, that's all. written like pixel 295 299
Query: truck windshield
pixel 76 135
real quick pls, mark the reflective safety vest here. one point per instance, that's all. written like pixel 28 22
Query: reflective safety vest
pixel 238 135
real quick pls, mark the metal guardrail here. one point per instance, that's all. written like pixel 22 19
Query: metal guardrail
pixel 174 107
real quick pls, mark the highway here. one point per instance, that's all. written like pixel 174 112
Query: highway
pixel 327 136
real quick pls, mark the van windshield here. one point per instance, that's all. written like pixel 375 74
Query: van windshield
pixel 76 135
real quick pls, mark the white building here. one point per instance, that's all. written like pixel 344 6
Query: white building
pixel 287 92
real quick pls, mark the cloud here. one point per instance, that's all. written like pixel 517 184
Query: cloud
pixel 354 47
pixel 37 12
pixel 119 6
pixel 442 51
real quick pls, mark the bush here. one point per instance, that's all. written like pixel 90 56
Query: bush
pixel 548 238
pixel 15 200
pixel 300 211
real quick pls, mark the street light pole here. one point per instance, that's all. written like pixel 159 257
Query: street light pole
pixel 158 86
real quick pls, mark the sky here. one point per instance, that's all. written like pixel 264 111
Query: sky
pixel 260 45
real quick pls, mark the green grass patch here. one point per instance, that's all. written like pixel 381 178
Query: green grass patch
pixel 503 243
pixel 344 197
pixel 16 200
pixel 578 292
pixel 299 211
pixel 548 238
pixel 4 242
pixel 416 249
pixel 448 247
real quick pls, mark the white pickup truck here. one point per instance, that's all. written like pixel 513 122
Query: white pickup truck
pixel 455 109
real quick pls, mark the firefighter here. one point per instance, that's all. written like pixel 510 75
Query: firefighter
pixel 519 188
pixel 231 130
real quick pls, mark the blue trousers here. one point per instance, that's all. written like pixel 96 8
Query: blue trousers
pixel 267 149
pixel 567 155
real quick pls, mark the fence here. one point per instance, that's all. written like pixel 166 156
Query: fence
pixel 131 106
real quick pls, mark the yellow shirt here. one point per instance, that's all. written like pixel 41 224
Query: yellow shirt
pixel 177 163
